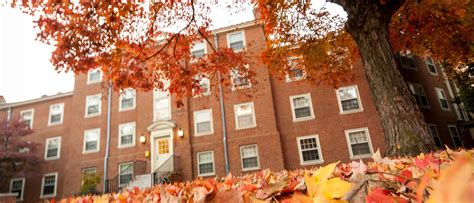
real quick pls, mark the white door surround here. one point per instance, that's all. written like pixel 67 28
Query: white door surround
pixel 161 140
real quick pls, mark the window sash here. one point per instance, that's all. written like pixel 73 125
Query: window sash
pixel 17 187
pixel 162 108
pixel 127 132
pixel 249 156
pixel 309 149
pixel 434 133
pixel 360 143
pixel 49 184
pixel 56 112
pixel 94 76
pixel 52 148
pixel 127 99
pixel 125 173
pixel 205 163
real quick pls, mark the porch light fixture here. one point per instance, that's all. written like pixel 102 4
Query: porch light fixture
pixel 142 139
pixel 180 132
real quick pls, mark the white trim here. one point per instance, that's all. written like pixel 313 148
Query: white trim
pixel 349 146
pixel 235 74
pixel 89 82
pixel 46 148
pixel 22 187
pixel 84 151
pixel 134 99
pixel 300 152
pixel 120 145
pixel 119 172
pixel 308 95
pixel 452 137
pixel 341 110
pixel 237 26
pixel 91 167
pixel 243 39
pixel 55 174
pixel 62 114
pixel 242 158
pixel 437 133
pixel 160 130
pixel 433 64
pixel 254 124
pixel 44 98
pixel 99 108
pixel 196 133
pixel 213 164
pixel 437 89
pixel 32 110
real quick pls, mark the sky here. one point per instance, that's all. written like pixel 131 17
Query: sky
pixel 25 70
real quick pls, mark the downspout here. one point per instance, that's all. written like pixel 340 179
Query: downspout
pixel 107 141
pixel 9 113
pixel 221 102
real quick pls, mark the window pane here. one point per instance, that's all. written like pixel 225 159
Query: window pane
pixel 360 149
pixel 162 108
pixel 310 155
pixel 358 137
pixel 300 102
pixel 127 98
pixel 203 116
pixel 163 146
pixel 205 157
pixel 126 139
pixel 244 109
pixel 249 151
pixel 348 93
pixel 444 103
pixel 203 127
pixel 52 153
pixel 245 121
pixel 48 185
pixel 206 168
pixel 309 143
pixel 431 68
pixel 250 162
pixel 350 104
pixel 302 112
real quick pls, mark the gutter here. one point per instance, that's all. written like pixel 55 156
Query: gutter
pixel 221 102
pixel 107 141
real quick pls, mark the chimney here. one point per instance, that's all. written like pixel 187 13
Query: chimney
pixel 256 14
pixel 2 100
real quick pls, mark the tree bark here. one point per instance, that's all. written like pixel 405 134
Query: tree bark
pixel 406 132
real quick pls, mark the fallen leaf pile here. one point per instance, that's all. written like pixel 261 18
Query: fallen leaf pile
pixel 445 176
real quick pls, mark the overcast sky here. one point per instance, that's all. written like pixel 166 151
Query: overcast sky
pixel 25 70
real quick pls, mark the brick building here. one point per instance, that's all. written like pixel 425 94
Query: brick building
pixel 285 124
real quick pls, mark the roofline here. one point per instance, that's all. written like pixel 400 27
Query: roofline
pixel 236 26
pixel 45 98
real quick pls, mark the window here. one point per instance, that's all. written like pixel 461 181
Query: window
pixel 91 140
pixel 443 101
pixel 205 85
pixel 53 148
pixel 17 185
pixel 236 40
pixel 309 150
pixel 294 72
pixel 249 157
pixel 431 66
pixel 301 107
pixel 127 99
pixel 125 173
pixel 240 80
pixel 161 105
pixel 453 131
pixel 349 99
pixel 48 186
pixel 203 122
pixel 94 76
pixel 244 116
pixel 27 117
pixel 358 141
pixel 89 171
pixel 56 114
pixel 93 103
pixel 434 133
pixel 408 61
pixel 127 135
pixel 419 92
pixel 206 163
pixel 199 49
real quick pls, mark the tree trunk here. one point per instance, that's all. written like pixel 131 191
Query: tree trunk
pixel 406 132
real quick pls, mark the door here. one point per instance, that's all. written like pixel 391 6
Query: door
pixel 163 151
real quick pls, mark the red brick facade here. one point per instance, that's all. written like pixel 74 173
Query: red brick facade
pixel 275 133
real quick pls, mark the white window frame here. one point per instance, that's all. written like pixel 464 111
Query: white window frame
pixel 87 105
pixel 437 133
pixel 415 86
pixel 341 110
pixel 243 40
pixel 84 151
pixel 89 82
pixel 192 49
pixel 120 145
pixel 293 114
pixel 452 137
pixel 122 93
pixel 254 124
pixel 119 172
pixel 300 151
pixel 32 110
pixel 206 93
pixel 349 146
pixel 55 185
pixel 62 114
pixel 437 89
pixel 46 148
pixel 160 95
pixel 195 123
pixel 427 62
pixel 213 164
pixel 234 74
pixel 22 187
pixel 242 158
pixel 290 67
pixel 92 167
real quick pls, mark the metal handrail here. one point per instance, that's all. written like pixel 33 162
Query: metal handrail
pixel 164 173
pixel 112 184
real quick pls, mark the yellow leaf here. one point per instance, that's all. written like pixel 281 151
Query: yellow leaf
pixel 313 183
pixel 335 188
